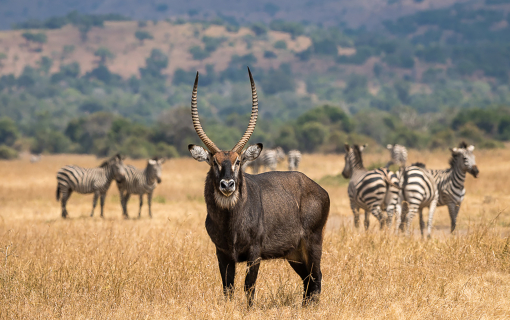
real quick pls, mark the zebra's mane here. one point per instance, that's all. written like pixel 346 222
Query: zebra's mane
pixel 419 164
pixel 357 154
pixel 107 162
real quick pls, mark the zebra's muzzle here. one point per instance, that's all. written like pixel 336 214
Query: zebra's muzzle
pixel 158 180
pixel 474 171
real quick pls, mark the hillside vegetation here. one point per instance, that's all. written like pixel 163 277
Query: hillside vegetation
pixel 102 83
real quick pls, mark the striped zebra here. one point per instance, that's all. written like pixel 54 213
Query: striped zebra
pixel 398 155
pixel 373 191
pixel 294 159
pixel 140 182
pixel 450 183
pixel 88 180
pixel 419 191
pixel 268 159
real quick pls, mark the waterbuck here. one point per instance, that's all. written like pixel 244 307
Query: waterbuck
pixel 257 217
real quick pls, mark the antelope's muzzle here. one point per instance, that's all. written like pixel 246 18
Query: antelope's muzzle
pixel 227 187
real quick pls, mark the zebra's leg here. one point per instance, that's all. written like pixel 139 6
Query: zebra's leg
pixel 141 203
pixel 367 219
pixel 432 209
pixel 65 196
pixel 413 209
pixel 126 199
pixel 149 202
pixel 377 212
pixel 355 211
pixel 103 196
pixel 422 223
pixel 453 210
pixel 398 217
pixel 94 202
pixel 389 220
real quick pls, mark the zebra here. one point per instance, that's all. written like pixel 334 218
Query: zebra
pixel 398 155
pixel 419 191
pixel 294 159
pixel 450 183
pixel 372 191
pixel 268 159
pixel 140 182
pixel 88 180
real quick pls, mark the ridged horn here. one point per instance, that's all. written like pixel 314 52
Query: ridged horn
pixel 196 121
pixel 253 119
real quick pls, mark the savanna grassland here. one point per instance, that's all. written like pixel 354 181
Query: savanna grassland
pixel 166 267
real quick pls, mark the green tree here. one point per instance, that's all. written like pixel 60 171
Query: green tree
pixel 9 132
pixel 155 63
pixel 104 54
pixel 142 35
pixel 45 64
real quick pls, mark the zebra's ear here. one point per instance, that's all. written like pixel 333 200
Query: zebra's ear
pixel 198 153
pixel 471 148
pixel 161 161
pixel 454 150
pixel 347 148
pixel 361 148
pixel 152 162
pixel 389 146
pixel 251 153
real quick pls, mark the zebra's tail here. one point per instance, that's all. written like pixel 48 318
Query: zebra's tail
pixel 58 191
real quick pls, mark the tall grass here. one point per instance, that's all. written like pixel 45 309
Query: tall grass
pixel 166 267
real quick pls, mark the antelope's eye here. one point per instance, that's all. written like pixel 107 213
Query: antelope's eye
pixel 238 162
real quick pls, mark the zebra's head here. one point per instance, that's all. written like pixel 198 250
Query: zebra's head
pixel 116 164
pixel 463 157
pixel 226 166
pixel 353 159
pixel 154 168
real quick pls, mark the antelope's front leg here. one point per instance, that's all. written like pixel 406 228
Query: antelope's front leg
pixel 228 272
pixel 252 271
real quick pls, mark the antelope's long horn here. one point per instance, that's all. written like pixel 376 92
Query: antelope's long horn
pixel 196 121
pixel 253 119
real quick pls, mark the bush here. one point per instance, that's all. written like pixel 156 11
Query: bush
pixel 166 151
pixel 269 54
pixel 280 44
pixel 7 153
pixel 198 53
pixel 259 28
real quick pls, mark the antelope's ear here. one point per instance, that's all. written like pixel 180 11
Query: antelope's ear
pixel 251 153
pixel 471 148
pixel 347 148
pixel 198 153
pixel 389 146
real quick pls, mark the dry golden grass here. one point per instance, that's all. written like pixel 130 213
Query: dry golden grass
pixel 112 268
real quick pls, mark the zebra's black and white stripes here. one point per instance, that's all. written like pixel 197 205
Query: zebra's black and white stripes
pixel 140 182
pixel 294 159
pixel 268 159
pixel 88 180
pixel 372 191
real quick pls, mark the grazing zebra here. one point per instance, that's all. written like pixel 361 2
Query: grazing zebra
pixel 419 190
pixel 450 182
pixel 140 182
pixel 268 159
pixel 372 191
pixel 294 159
pixel 85 180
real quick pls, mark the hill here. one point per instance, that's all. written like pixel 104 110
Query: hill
pixel 350 13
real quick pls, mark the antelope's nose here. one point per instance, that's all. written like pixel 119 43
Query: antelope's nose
pixel 227 185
